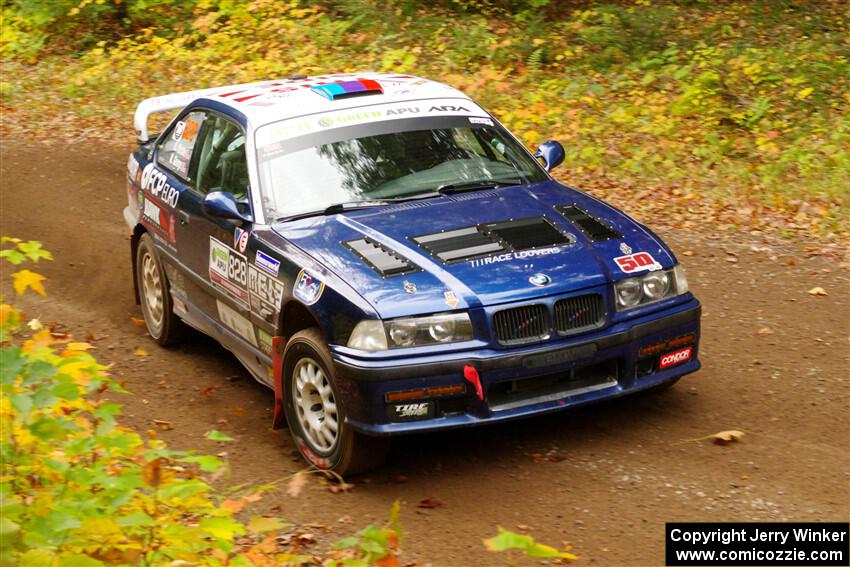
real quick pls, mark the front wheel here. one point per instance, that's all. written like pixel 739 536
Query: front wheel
pixel 315 416
pixel 163 325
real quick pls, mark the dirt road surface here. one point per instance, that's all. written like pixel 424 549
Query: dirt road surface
pixel 605 478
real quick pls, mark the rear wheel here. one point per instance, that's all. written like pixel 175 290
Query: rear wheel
pixel 163 325
pixel 314 413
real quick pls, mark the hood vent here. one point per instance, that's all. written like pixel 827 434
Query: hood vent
pixel 382 260
pixel 492 238
pixel 591 226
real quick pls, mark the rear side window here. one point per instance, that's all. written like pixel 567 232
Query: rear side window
pixel 175 151
pixel 222 165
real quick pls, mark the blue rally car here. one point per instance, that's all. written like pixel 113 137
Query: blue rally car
pixel 387 257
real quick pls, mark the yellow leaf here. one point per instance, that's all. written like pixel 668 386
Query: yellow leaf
pixel 140 352
pixel 803 94
pixel 27 279
pixel 42 338
pixel 817 291
pixel 35 325
pixel 79 346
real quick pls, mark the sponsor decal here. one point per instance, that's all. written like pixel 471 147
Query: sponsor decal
pixel 236 322
pixel 409 287
pixel 410 411
pixel 477 120
pixel 179 306
pixel 178 130
pixel 308 288
pixel 270 139
pixel 451 299
pixel 674 358
pixel 156 183
pixel 266 294
pixel 190 130
pixel 264 341
pixel 319 462
pixel 228 270
pixel 240 239
pixel 448 108
pixel 625 248
pixel 132 167
pixel 521 255
pixel 266 262
pixel 656 348
pixel 354 117
pixel 637 262
pixel 539 280
pixel 160 219
pixel 400 111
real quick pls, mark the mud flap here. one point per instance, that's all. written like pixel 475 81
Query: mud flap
pixel 278 346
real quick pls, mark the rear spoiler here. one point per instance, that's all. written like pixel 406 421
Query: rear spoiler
pixel 164 103
pixel 174 101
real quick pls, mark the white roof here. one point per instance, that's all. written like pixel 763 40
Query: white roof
pixel 275 100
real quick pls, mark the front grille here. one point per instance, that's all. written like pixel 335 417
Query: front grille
pixel 579 313
pixel 517 393
pixel 521 324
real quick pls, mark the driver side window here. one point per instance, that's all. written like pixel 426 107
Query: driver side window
pixel 222 165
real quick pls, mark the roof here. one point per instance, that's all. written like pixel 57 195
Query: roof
pixel 270 101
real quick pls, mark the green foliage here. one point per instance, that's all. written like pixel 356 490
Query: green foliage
pixel 508 540
pixel 742 104
pixel 77 488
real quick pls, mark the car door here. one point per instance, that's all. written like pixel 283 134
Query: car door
pixel 215 248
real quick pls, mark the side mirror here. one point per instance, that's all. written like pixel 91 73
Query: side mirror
pixel 552 153
pixel 224 206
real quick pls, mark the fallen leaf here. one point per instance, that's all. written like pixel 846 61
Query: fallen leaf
pixel 726 437
pixel 340 487
pixel 817 291
pixel 208 391
pixel 430 503
pixel 137 322
pixel 765 331
pixel 27 279
pixel 35 324
pixel 218 436
pixel 163 424
pixel 296 484
pixel 140 352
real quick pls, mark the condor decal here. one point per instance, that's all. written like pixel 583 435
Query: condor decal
pixel 228 270
pixel 674 358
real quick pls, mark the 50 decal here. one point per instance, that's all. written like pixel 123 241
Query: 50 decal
pixel 156 183
pixel 637 262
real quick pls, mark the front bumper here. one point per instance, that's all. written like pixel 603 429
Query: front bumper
pixel 619 360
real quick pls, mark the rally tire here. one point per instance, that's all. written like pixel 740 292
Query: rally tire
pixel 315 413
pixel 163 325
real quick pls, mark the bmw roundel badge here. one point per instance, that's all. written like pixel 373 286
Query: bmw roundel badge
pixel 540 280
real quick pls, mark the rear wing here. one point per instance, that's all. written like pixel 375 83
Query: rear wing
pixel 174 101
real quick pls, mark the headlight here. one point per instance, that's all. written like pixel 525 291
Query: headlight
pixel 373 335
pixel 628 292
pixel 651 287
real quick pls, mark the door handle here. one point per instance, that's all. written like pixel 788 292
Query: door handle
pixel 184 217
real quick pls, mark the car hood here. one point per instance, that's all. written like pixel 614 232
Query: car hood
pixel 393 255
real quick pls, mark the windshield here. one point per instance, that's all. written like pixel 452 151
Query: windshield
pixel 389 160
